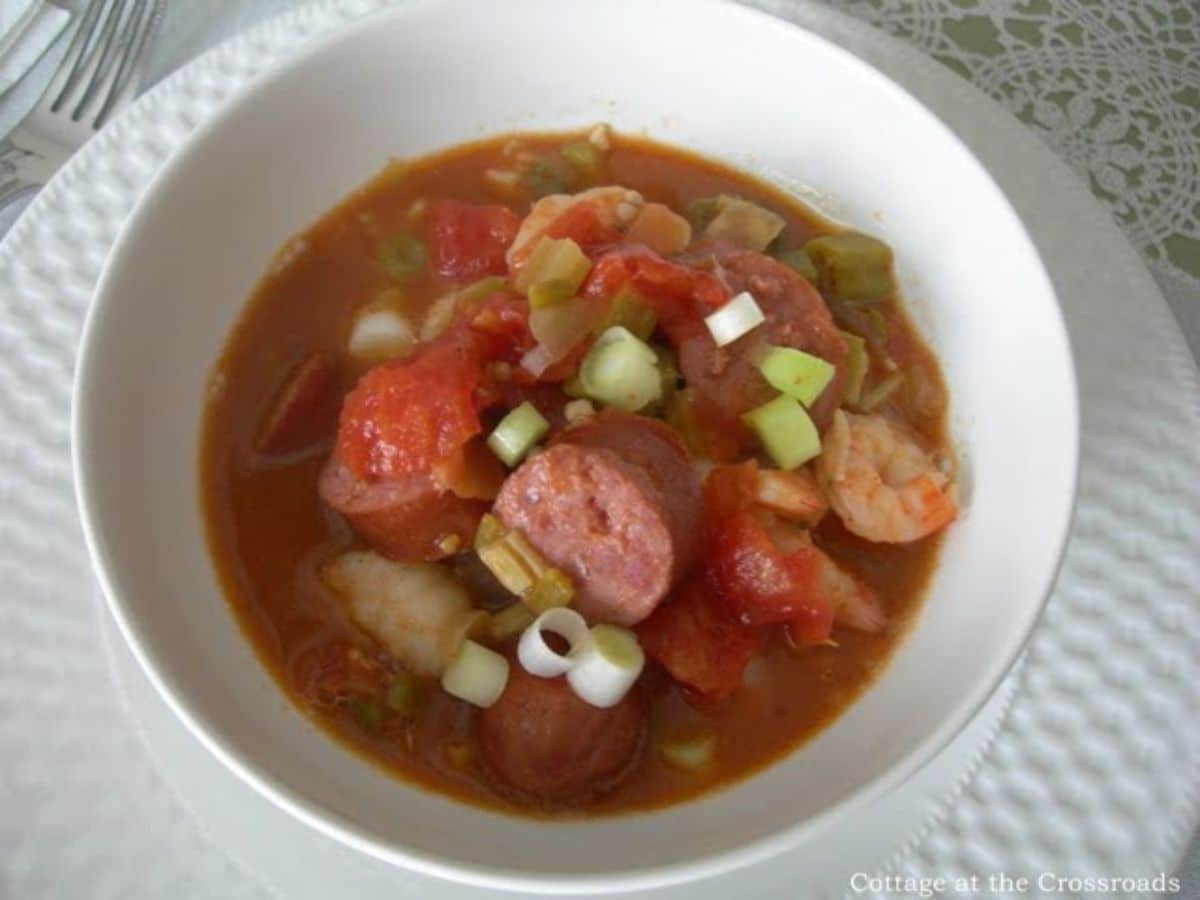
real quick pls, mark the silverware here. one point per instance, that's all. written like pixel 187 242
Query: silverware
pixel 97 77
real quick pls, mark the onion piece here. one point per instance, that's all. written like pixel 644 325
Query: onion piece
pixel 737 317
pixel 477 675
pixel 578 410
pixel 621 370
pixel 380 333
pixel 606 666
pixel 538 657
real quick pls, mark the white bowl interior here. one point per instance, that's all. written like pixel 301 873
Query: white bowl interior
pixel 432 74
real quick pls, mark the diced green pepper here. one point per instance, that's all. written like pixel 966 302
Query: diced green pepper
pixel 517 433
pixel 852 266
pixel 857 364
pixel 801 262
pixel 403 256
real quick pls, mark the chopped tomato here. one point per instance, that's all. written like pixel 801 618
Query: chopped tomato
pixel 697 644
pixel 729 489
pixel 582 224
pixel 500 327
pixel 405 416
pixel 467 240
pixel 680 295
pixel 761 585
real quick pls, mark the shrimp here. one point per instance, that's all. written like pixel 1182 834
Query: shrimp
pixel 615 207
pixel 881 482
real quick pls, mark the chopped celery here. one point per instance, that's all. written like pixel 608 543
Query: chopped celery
pixel 490 530
pixel 879 394
pixel 508 567
pixel 403 256
pixel 517 433
pixel 852 266
pixel 744 223
pixel 550 292
pixel 509 622
pixel 621 370
pixel 554 259
pixel 529 557
pixel 785 430
pixel 796 373
pixel 368 713
pixel 629 310
pixel 554 588
pixel 582 157
pixel 857 364
pixel 689 751
pixel 701 212
pixel 403 695
pixel 801 262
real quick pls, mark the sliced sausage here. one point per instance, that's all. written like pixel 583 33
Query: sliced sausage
pixel 725 380
pixel 407 519
pixel 615 503
pixel 552 747
pixel 304 412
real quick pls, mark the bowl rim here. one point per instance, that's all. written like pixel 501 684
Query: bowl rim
pixel 175 693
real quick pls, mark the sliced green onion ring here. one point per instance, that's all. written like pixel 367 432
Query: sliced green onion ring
pixel 517 434
pixel 477 675
pixel 621 370
pixel 538 657
pixel 606 666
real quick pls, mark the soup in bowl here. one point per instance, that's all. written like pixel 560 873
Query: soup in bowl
pixel 571 507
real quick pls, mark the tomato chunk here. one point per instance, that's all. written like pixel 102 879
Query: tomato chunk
pixel 582 224
pixel 405 416
pixel 467 240
pixel 700 647
pixel 681 296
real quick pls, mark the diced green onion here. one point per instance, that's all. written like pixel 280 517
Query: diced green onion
pixel 536 655
pixel 509 622
pixel 801 262
pixel 852 266
pixel 582 157
pixel 380 333
pixel 517 433
pixel 701 212
pixel 508 567
pixel 744 224
pixel 607 666
pixel 857 364
pixel 796 373
pixel 490 530
pixel 879 394
pixel 554 259
pixel 621 370
pixel 553 589
pixel 689 751
pixel 629 310
pixel 403 256
pixel 368 713
pixel 403 695
pixel 477 675
pixel 785 430
pixel 737 317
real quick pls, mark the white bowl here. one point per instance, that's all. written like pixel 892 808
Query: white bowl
pixel 719 78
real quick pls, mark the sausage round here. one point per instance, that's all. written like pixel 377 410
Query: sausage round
pixel 550 746
pixel 409 519
pixel 725 380
pixel 615 503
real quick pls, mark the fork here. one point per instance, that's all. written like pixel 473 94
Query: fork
pixel 97 77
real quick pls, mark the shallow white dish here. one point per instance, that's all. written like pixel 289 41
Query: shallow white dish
pixel 183 244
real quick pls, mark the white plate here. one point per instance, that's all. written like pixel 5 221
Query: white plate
pixel 1094 770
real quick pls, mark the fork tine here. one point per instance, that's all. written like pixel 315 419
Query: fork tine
pixel 143 20
pixel 109 46
pixel 75 60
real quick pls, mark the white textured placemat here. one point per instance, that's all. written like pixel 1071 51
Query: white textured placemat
pixel 1095 770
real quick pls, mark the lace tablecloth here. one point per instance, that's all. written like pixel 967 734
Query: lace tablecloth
pixel 1113 86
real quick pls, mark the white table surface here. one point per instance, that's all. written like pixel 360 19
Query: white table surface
pixel 190 27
